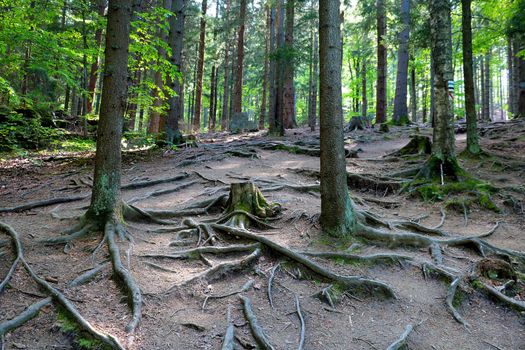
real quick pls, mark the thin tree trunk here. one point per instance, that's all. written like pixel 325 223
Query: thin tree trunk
pixel 289 90
pixel 272 72
pixel 312 106
pixel 101 10
pixel 381 63
pixel 278 94
pixel 105 197
pixel 424 98
pixel 487 88
pixel 262 113
pixel 337 217
pixel 413 94
pixel 400 102
pixel 364 98
pixel 211 124
pixel 200 69
pixel 237 92
pixel 520 67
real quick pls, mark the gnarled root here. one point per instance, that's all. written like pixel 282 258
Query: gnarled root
pixel 401 342
pixel 257 330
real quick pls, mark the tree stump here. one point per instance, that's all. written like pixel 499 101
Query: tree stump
pixel 246 200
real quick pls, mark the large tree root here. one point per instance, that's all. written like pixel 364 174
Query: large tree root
pixel 228 342
pixel 257 330
pixel 351 282
pixel 58 297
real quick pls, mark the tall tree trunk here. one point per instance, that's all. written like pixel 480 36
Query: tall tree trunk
pixel 277 110
pixel 487 88
pixel 400 101
pixel 364 98
pixel 443 159
pixel 381 63
pixel 262 113
pixel 176 101
pixel 84 99
pixel 312 105
pixel 211 124
pixel 272 71
pixel 226 83
pixel 101 10
pixel 337 217
pixel 105 197
pixel 237 92
pixel 520 67
pixel 200 69
pixel 510 77
pixel 289 90
pixel 424 98
pixel 413 94
pixel 468 76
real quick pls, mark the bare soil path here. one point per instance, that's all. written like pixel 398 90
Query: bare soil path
pixel 178 320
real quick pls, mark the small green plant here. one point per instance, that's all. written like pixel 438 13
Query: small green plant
pixel 71 328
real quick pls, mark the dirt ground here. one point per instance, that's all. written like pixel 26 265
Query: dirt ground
pixel 177 319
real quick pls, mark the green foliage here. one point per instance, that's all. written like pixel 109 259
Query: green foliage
pixel 19 132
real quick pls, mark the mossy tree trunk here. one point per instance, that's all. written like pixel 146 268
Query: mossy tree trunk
pixel 443 158
pixel 337 216
pixel 106 197
pixel 400 102
pixel 245 198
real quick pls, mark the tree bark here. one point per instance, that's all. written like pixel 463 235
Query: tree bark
pixel 381 63
pixel 364 98
pixel 273 62
pixel 262 113
pixel 106 197
pixel 101 10
pixel 237 93
pixel 312 102
pixel 400 101
pixel 413 95
pixel 470 99
pixel 443 159
pixel 520 67
pixel 289 90
pixel 486 87
pixel 176 101
pixel 337 217
pixel 200 69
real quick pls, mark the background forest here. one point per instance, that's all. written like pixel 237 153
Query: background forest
pixel 51 62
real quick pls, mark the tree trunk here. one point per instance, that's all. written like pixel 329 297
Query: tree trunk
pixel 200 69
pixel 470 100
pixel 262 113
pixel 289 90
pixel 520 67
pixel 337 217
pixel 105 198
pixel 424 97
pixel 273 62
pixel 176 101
pixel 211 124
pixel 487 88
pixel 400 102
pixel 237 92
pixel 364 98
pixel 226 84
pixel 101 10
pixel 413 95
pixel 312 102
pixel 277 110
pixel 381 63
pixel 443 159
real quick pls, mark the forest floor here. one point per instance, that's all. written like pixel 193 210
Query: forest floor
pixel 177 319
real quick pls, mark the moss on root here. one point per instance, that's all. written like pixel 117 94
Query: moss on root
pixel 81 339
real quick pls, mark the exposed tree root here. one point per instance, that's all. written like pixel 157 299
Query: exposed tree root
pixel 257 330
pixel 381 258
pixel 60 200
pixel 451 295
pixel 301 320
pixel 270 283
pixel 19 320
pixel 402 341
pixel 513 303
pixel 228 343
pixel 246 287
pixel 196 253
pixel 87 276
pixel 162 192
pixel 135 296
pixel 352 282
pixel 58 297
